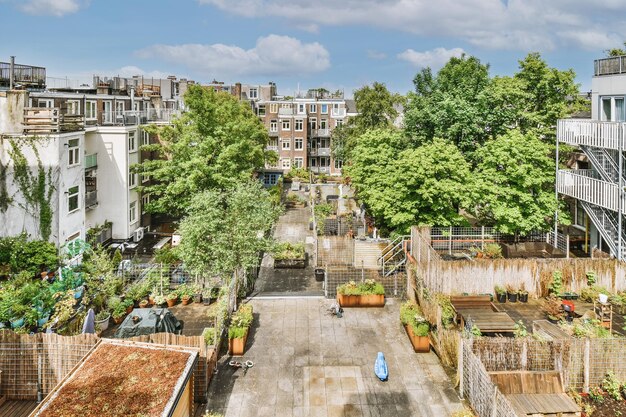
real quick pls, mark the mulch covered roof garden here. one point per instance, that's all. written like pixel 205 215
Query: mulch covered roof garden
pixel 121 381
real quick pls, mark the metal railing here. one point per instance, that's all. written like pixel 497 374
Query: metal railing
pixel 582 132
pixel 132 117
pixel 91 161
pixel 319 151
pixel 338 112
pixel 91 198
pixel 320 133
pixel 320 170
pixel 23 74
pixel 594 191
pixel 283 111
pixel 272 148
pixel 609 66
pixel 559 241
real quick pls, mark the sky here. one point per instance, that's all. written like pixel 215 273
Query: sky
pixel 303 44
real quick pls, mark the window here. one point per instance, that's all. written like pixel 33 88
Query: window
pixel 286 144
pixel 74 152
pixel 298 162
pixel 145 138
pixel 45 103
pixel 145 200
pixel 137 106
pixel 72 199
pixel 580 214
pixel 301 108
pixel 90 110
pixel 298 144
pixel 132 180
pixel 145 178
pixel 132 212
pixel 107 108
pixel 286 163
pixel 338 164
pixel 619 109
pixel 313 123
pixel 254 93
pixel 273 107
pixel 261 109
pixel 132 143
pixel 298 125
pixel 338 122
pixel 119 108
pixel 286 124
pixel 324 109
pixel 313 162
pixel 323 124
pixel 313 108
pixel 274 125
pixel 270 178
pixel 73 107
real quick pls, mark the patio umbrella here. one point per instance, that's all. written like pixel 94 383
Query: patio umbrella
pixel 90 322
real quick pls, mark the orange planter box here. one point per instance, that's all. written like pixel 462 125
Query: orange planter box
pixel 420 343
pixel 361 300
pixel 237 347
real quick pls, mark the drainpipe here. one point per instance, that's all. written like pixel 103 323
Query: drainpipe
pixel 132 98
pixel 11 72
pixel 620 192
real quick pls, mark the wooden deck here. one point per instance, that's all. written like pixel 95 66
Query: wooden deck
pixel 544 404
pixel 487 320
pixel 12 408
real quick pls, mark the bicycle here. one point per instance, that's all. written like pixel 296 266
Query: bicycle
pixel 245 365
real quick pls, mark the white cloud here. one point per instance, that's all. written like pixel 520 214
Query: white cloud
pixel 272 55
pixel 372 54
pixel 513 24
pixel 56 8
pixel 435 59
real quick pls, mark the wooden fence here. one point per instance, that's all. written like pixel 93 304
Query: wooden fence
pixel 479 276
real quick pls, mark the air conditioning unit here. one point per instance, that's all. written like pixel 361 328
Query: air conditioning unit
pixel 138 234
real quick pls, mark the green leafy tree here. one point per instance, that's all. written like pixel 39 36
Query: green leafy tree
pixel 33 256
pixel 616 51
pixel 224 232
pixel 217 142
pixel 403 186
pixel 516 180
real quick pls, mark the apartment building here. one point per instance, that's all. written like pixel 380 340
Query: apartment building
pixel 86 141
pixel 595 185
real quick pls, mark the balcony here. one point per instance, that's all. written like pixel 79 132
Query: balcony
pixel 609 66
pixel 24 75
pixel 341 112
pixel 584 132
pixel 91 199
pixel 581 185
pixel 50 120
pixel 272 148
pixel 285 111
pixel 320 133
pixel 319 151
pixel 91 161
pixel 273 133
pixel 320 170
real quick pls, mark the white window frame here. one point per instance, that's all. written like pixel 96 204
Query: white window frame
pixel 145 178
pixel 273 125
pixel 273 107
pixel 298 162
pixel 338 122
pixel 73 149
pixel 120 108
pixel 132 180
pixel 90 110
pixel 253 93
pixel 145 200
pixel 301 108
pixel 285 124
pixel 132 142
pixel 323 124
pixel 261 110
pixel 285 144
pixel 73 107
pixel 132 212
pixel 73 195
pixel 298 125
pixel 313 123
pixel 285 163
pixel 107 111
pixel 338 164
pixel 145 138
pixel 48 103
pixel 312 108
pixel 298 144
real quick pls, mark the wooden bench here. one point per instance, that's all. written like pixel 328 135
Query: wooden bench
pixel 464 302
pixel 161 243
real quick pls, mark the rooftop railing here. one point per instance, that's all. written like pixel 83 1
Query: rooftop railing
pixel 25 75
pixel 609 66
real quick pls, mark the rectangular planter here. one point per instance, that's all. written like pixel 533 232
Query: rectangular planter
pixel 237 347
pixel 290 263
pixel 361 300
pixel 420 344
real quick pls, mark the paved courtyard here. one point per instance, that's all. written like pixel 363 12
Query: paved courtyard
pixel 308 363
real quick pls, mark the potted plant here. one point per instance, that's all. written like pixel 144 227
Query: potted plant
pixel 185 293
pixel 500 294
pixel 197 294
pixel 511 294
pixel 129 304
pixel 210 295
pixel 17 317
pixel 368 293
pixel 102 320
pixel 556 285
pixel 160 300
pixel 172 298
pixel 144 303
pixel 238 330
pixel 118 312
pixel 553 308
pixel 523 294
pixel 416 326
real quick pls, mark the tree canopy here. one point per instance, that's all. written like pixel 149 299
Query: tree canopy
pixel 218 141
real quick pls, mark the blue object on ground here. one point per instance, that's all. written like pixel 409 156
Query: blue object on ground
pixel 380 367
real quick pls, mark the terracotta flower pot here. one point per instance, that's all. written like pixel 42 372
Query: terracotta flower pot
pixel 143 304
pixel 186 300
pixel 171 302
pixel 129 309
pixel 118 320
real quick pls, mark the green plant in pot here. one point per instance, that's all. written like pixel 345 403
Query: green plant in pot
pixel 118 312
pixel 185 292
pixel 416 326
pixel 523 294
pixel 172 298
pixel 511 293
pixel 500 294
pixel 209 336
pixel 160 300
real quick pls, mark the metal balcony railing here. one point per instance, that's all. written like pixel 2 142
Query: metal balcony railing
pixel 320 133
pixel 609 66
pixel 91 198
pixel 284 111
pixel 91 161
pixel 585 188
pixel 583 132
pixel 320 170
pixel 272 148
pixel 341 112
pixel 319 151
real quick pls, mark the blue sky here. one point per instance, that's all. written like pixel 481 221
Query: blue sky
pixel 334 44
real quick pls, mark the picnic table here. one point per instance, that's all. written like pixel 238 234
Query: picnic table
pixel 487 320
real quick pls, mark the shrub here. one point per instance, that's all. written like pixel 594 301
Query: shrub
pixel 411 315
pixel 553 308
pixel 209 336
pixel 520 329
pixel 447 311
pixel 500 290
pixel 367 287
pixel 612 386
pixel 288 250
pixel 590 294
pixel 596 394
pixel 591 278
pixel 556 286
pixel 492 251
pixel 240 322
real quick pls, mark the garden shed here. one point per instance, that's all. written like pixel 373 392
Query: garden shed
pixel 126 379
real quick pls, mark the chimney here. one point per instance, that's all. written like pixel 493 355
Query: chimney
pixel 11 72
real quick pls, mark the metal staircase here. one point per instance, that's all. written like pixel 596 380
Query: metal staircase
pixel 393 256
pixel 604 162
pixel 606 222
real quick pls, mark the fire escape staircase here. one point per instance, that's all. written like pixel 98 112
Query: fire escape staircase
pixel 605 163
pixel 393 256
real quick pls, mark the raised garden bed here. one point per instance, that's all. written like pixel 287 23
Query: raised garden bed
pixel 289 255
pixel 368 293
pixel 416 326
pixel 238 331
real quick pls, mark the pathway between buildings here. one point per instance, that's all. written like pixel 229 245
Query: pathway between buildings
pixel 308 363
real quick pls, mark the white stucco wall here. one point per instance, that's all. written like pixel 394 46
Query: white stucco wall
pixel 606 85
